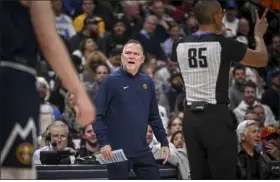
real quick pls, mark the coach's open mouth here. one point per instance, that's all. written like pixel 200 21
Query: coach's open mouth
pixel 131 62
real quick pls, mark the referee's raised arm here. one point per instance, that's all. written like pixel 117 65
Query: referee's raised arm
pixel 259 56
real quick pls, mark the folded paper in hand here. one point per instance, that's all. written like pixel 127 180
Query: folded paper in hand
pixel 118 156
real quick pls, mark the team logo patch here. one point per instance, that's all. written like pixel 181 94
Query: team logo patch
pixel 24 153
pixel 145 86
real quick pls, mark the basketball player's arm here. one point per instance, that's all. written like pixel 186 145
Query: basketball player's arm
pixel 51 45
pixel 42 19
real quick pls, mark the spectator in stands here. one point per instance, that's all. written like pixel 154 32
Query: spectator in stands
pixel 148 40
pixel 174 35
pixel 260 112
pixel 89 143
pixel 69 116
pixel 190 25
pixel 251 115
pixel 132 16
pixel 177 144
pixel 118 37
pixel 243 33
pixel 252 75
pixel 90 30
pixel 174 12
pixel 271 97
pixel 230 19
pixel 150 67
pixel 88 7
pixel 81 56
pixel 163 74
pixel 58 95
pixel 274 53
pixel 174 125
pixel 56 139
pixel 237 88
pixel 115 61
pixel 248 102
pixel 176 88
pixel 64 24
pixel 251 164
pixel 157 9
pixel 100 71
pixel 162 110
pixel 178 140
pixel 96 58
pixel 46 109
pixel 270 144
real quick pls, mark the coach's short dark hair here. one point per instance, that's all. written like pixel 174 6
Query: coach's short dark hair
pixel 204 10
pixel 133 41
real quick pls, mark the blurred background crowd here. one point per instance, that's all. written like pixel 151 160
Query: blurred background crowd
pixel 94 31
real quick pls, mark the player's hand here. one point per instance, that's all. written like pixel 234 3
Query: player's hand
pixel 106 153
pixel 84 109
pixel 165 152
pixel 261 24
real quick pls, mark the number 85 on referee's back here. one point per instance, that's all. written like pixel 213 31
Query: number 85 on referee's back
pixel 197 57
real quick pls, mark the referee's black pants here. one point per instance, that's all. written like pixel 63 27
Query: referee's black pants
pixel 144 166
pixel 211 142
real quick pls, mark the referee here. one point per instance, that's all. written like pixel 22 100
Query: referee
pixel 204 59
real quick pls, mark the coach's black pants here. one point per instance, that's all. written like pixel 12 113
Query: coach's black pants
pixel 211 143
pixel 145 168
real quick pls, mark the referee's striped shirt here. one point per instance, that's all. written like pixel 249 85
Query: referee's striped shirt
pixel 204 60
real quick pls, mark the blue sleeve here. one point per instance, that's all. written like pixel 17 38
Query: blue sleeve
pixel 154 119
pixel 103 97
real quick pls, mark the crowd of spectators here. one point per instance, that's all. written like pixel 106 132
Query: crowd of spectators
pixel 94 31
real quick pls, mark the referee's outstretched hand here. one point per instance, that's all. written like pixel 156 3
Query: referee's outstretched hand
pixel 261 24
pixel 106 153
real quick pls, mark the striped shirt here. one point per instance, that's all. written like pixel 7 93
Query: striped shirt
pixel 204 61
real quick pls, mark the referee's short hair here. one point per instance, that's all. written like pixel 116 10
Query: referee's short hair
pixel 205 9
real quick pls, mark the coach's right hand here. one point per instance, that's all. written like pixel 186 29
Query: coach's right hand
pixel 261 24
pixel 106 153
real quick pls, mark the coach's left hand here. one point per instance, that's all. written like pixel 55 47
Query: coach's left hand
pixel 165 152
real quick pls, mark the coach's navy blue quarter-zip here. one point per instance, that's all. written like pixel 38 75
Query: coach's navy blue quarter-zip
pixel 125 105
